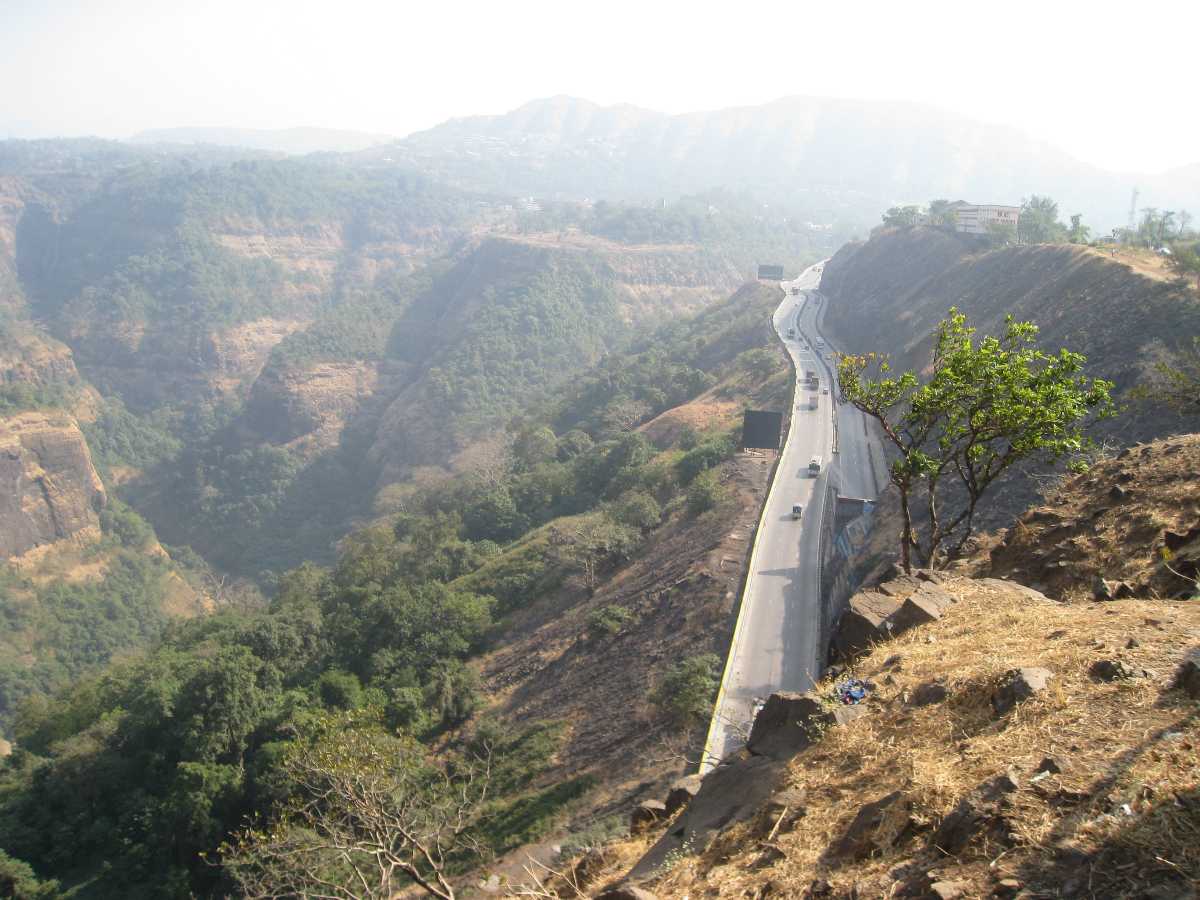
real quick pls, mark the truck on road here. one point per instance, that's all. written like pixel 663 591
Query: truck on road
pixel 814 466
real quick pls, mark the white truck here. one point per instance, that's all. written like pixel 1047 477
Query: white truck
pixel 814 466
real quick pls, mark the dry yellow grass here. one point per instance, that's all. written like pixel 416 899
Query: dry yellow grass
pixel 1126 805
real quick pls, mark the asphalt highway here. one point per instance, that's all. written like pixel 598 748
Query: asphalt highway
pixel 776 647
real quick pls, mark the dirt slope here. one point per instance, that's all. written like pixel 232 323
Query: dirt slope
pixel 1133 520
pixel 1123 814
pixel 1090 787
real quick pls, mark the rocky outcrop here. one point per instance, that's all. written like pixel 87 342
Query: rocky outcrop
pixel 289 404
pixel 790 722
pixel 887 611
pixel 1187 678
pixel 147 364
pixel 49 491
pixel 35 360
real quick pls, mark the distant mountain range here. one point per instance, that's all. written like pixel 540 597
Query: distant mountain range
pixel 834 158
pixel 292 141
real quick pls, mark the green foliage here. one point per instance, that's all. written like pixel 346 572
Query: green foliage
pixel 593 542
pixel 760 362
pixel 121 438
pixel 609 621
pixel 736 225
pixel 1158 228
pixel 370 813
pixel 22 395
pixel 898 216
pixel 704 493
pixel 1176 381
pixel 1001 234
pixel 688 690
pixel 534 447
pixel 1038 223
pixel 518 822
pixel 1185 260
pixel 125 526
pixel 637 509
pixel 529 330
pixel 339 690
pixel 1079 233
pixel 941 214
pixel 985 406
pixel 18 881
pixel 71 629
pixel 706 455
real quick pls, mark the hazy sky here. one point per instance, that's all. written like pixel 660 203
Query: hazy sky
pixel 1116 88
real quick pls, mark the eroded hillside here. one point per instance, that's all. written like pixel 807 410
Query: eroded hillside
pixel 888 294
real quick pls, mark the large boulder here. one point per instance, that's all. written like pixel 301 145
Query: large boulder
pixel 865 622
pixel 646 815
pixel 1018 685
pixel 733 792
pixel 980 811
pixel 1187 678
pixel 876 827
pixel 789 722
pixel 681 793
pixel 915 611
pixel 901 587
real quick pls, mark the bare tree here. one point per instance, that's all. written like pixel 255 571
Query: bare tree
pixel 369 815
pixel 594 542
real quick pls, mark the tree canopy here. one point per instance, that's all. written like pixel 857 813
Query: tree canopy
pixel 987 404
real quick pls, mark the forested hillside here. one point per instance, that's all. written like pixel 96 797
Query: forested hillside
pixel 119 783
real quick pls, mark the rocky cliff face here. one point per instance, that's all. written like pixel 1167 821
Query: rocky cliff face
pixel 49 491
pixel 36 360
pixel 306 407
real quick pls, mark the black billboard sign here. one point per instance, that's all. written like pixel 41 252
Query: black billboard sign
pixel 762 429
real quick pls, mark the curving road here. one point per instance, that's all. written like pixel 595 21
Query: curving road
pixel 776 643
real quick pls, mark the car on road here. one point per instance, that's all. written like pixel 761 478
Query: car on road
pixel 791 332
pixel 797 510
pixel 824 390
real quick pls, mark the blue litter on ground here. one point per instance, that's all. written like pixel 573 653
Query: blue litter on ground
pixel 851 690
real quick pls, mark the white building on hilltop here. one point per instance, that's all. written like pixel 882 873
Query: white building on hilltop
pixel 979 219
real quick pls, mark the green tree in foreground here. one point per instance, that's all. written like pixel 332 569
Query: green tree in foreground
pixel 370 815
pixel 986 405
